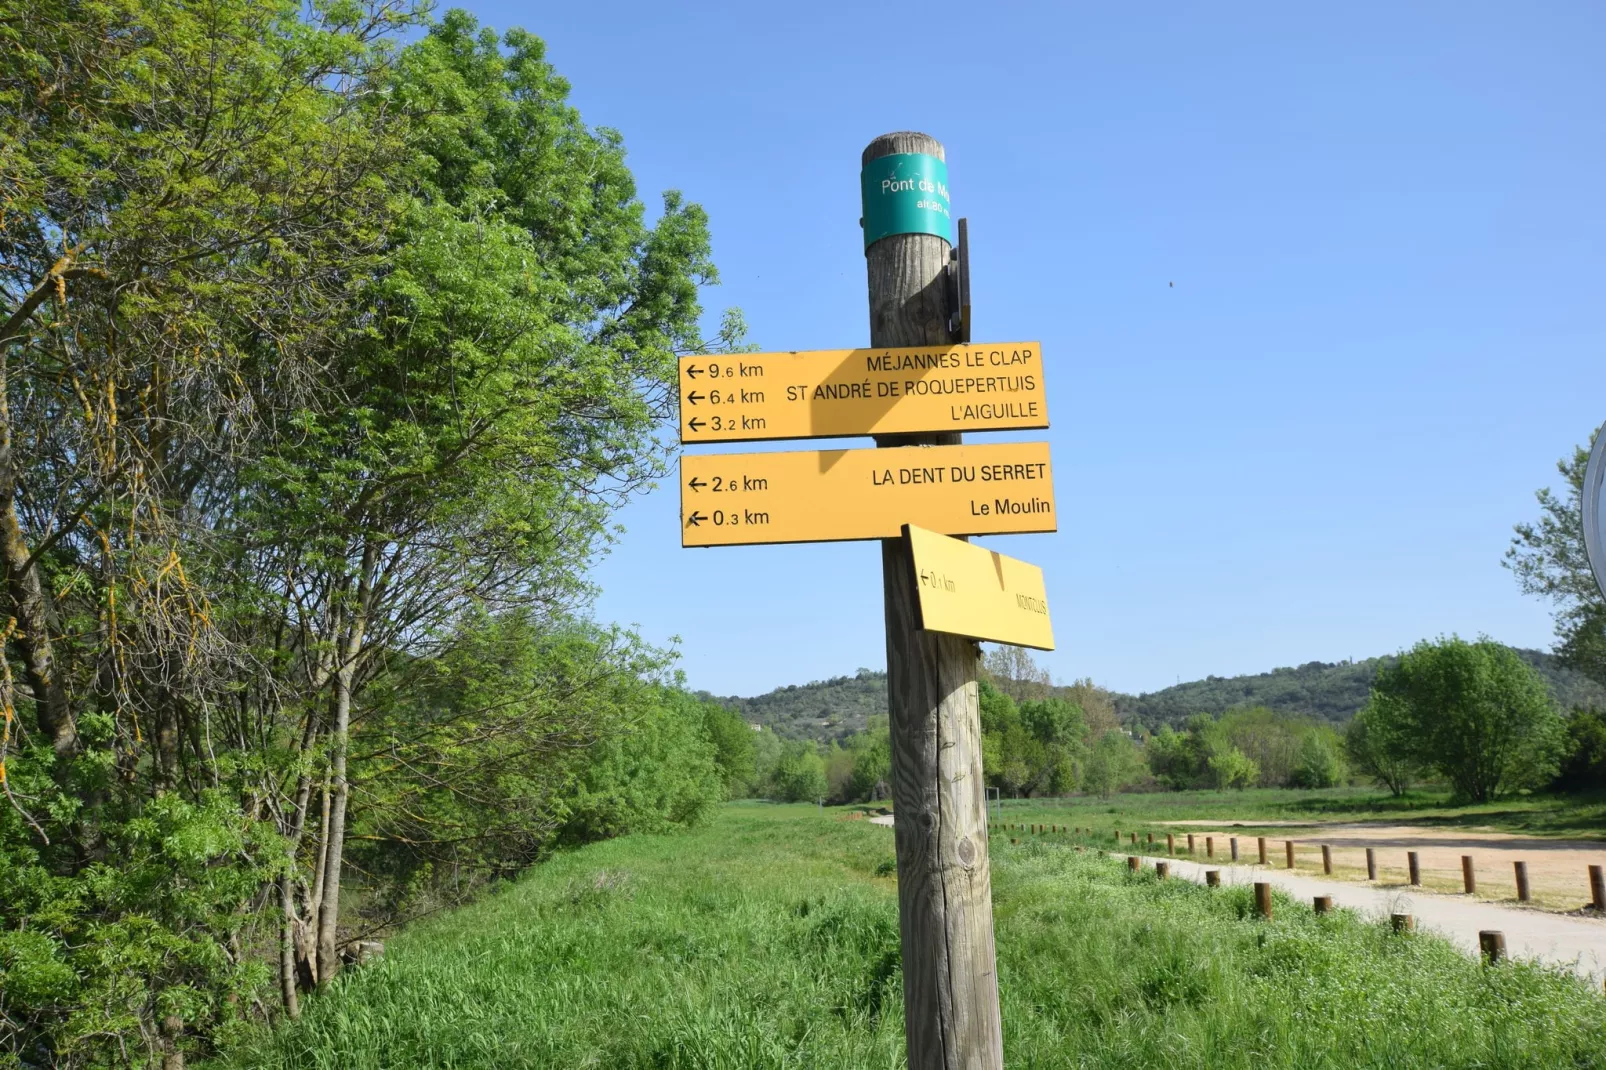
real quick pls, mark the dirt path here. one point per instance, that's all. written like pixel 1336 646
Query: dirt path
pixel 1558 870
pixel 1577 943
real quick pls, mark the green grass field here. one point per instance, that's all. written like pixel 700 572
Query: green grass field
pixel 1572 817
pixel 770 939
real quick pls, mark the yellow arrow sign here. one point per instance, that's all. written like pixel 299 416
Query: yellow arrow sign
pixel 731 499
pixel 968 590
pixel 827 393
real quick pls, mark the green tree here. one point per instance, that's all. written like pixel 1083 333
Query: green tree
pixel 1548 559
pixel 1319 764
pixel 872 761
pixel 1230 768
pixel 1475 712
pixel 800 772
pixel 1112 765
pixel 1583 765
pixel 1379 745
pixel 733 748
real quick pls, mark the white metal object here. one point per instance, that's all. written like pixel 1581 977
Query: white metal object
pixel 1594 501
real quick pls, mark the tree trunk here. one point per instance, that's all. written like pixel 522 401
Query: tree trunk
pixel 344 678
pixel 28 602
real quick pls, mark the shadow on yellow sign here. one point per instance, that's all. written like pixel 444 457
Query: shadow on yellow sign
pixel 971 591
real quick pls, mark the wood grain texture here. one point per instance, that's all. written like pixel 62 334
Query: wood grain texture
pixel 945 910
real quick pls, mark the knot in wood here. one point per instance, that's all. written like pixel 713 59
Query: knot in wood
pixel 966 852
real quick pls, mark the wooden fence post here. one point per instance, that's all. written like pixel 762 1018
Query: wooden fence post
pixel 945 909
pixel 1132 863
pixel 1469 879
pixel 1263 899
pixel 1234 843
pixel 1323 904
pixel 1162 870
pixel 1210 847
pixel 1402 923
pixel 1190 843
pixel 1327 860
pixel 1371 864
pixel 1288 846
pixel 1151 839
pixel 1170 844
pixel 1493 944
pixel 1262 850
pixel 1414 869
pixel 1597 888
pixel 1521 869
pixel 1213 878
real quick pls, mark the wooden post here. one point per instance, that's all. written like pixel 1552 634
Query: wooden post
pixel 945 906
pixel 1190 843
pixel 1162 870
pixel 1597 888
pixel 1402 923
pixel 1468 878
pixel 1213 878
pixel 1288 847
pixel 1521 869
pixel 1371 864
pixel 1413 867
pixel 1170 843
pixel 1132 863
pixel 1327 859
pixel 1493 944
pixel 1262 850
pixel 1134 839
pixel 1263 899
pixel 1118 837
pixel 1210 847
pixel 1323 904
pixel 1234 843
pixel 1151 839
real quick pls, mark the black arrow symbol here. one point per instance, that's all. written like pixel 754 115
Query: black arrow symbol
pixel 695 424
pixel 694 397
pixel 695 519
pixel 697 484
pixel 693 371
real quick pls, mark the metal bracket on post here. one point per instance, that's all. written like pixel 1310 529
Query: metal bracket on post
pixel 959 285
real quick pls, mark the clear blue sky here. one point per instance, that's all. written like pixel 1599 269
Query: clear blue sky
pixel 1386 226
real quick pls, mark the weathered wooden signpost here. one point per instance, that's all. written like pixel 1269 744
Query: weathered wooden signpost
pixel 919 385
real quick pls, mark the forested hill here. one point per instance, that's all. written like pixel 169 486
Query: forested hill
pixel 820 709
pixel 831 709
pixel 1330 691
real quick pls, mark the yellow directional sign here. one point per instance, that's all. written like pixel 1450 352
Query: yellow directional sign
pixel 730 499
pixel 968 590
pixel 828 393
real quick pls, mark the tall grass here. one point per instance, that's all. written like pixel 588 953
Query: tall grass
pixel 767 940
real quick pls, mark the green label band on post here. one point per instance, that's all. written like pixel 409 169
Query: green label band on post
pixel 905 193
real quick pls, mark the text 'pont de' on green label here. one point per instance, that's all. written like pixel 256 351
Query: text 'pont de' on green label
pixel 905 193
